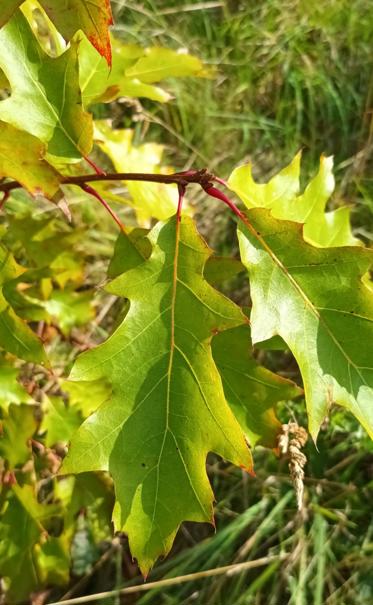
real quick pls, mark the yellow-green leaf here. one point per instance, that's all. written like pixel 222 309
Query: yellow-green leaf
pixel 22 159
pixel 280 195
pixel 160 63
pixel 15 336
pixel 11 391
pixel 22 529
pixel 100 84
pixel 59 420
pixel 86 396
pixel 17 429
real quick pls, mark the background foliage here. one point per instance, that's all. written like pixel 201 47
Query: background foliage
pixel 281 76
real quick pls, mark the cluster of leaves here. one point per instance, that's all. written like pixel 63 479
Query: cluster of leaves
pixel 177 378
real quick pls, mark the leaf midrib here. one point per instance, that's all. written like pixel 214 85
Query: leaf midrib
pixel 169 375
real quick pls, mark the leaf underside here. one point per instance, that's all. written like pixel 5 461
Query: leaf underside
pixel 316 301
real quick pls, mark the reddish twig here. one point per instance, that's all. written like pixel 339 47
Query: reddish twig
pixel 203 177
pixel 200 177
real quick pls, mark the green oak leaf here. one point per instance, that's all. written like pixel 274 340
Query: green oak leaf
pixel 19 533
pixel 167 409
pixel 46 246
pixel 15 335
pixel 131 248
pixel 250 389
pixel 11 391
pixel 316 301
pixel 22 528
pixel 21 158
pixel 149 199
pixel 18 427
pixel 59 421
pixel 280 195
pixel 55 115
pixel 101 84
pixel 69 309
pixel 221 268
pixel 88 492
pixel 53 561
pixel 91 492
pixel 65 308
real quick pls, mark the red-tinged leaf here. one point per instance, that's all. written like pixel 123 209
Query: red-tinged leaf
pixel 92 17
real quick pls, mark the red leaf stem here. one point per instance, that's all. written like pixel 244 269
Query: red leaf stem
pixel 181 189
pixel 217 179
pixel 96 168
pixel 219 195
pixel 88 189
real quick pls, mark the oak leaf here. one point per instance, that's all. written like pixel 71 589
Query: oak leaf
pixel 317 301
pixel 167 409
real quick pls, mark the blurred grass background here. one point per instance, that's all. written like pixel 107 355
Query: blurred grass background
pixel 289 75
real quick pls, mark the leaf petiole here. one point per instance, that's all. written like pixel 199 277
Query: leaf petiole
pixel 91 191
